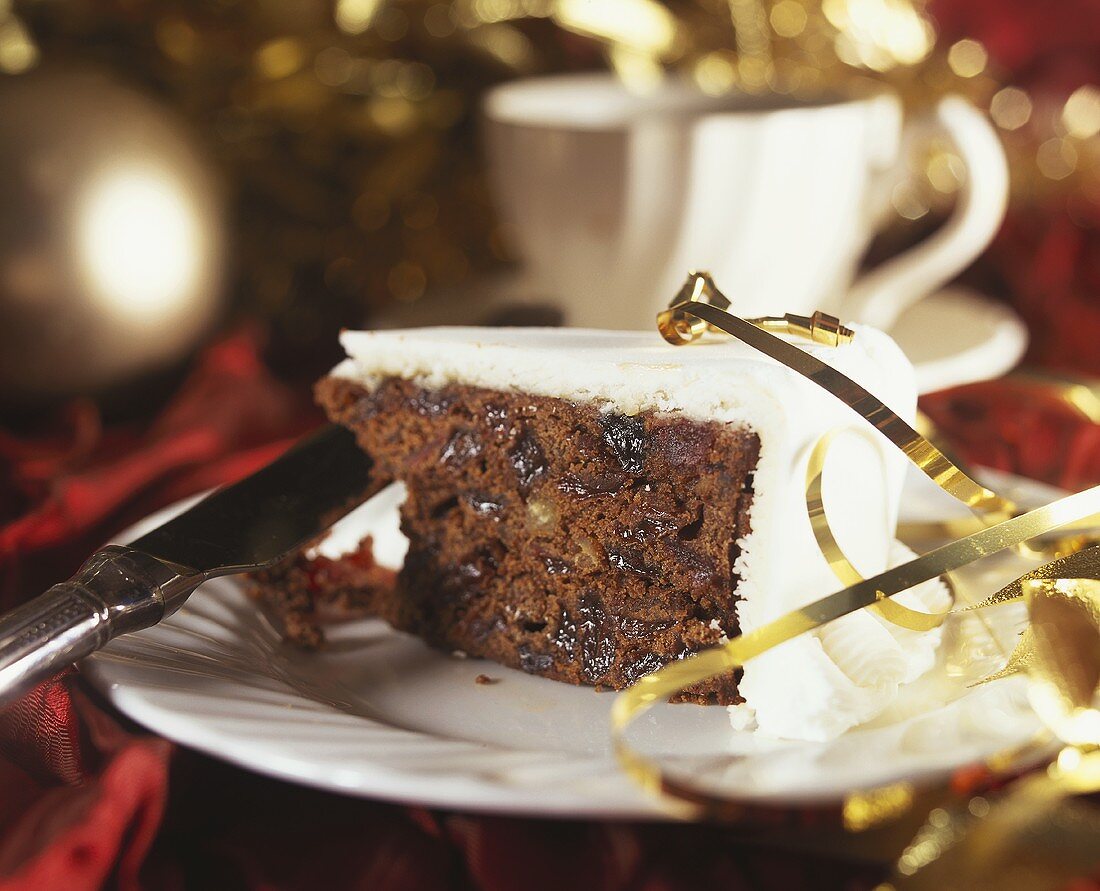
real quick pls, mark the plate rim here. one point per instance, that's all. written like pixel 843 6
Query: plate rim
pixel 451 790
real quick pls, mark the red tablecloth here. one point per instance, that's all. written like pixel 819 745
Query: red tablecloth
pixel 87 799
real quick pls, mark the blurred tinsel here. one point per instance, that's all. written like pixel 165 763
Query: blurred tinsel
pixel 346 130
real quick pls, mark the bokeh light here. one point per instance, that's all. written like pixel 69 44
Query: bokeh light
pixel 140 241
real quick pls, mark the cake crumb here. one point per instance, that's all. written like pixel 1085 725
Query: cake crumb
pixel 485 679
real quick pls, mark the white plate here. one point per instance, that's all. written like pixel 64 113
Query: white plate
pixel 378 714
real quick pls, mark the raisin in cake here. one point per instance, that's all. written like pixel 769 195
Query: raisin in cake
pixel 590 505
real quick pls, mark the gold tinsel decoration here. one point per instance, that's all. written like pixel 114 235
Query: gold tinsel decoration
pixel 347 129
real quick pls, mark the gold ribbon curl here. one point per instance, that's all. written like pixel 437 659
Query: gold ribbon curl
pixel 842 567
pixel 701 308
pixel 633 702
pixel 918 449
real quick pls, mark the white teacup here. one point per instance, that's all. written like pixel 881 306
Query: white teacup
pixel 612 198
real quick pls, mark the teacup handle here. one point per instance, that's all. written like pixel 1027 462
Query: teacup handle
pixel 881 295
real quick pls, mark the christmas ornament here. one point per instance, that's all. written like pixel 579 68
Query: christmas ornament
pixel 111 241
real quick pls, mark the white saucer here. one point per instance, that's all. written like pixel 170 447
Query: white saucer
pixel 376 713
pixel 955 336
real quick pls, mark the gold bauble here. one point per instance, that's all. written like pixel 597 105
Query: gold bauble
pixel 112 241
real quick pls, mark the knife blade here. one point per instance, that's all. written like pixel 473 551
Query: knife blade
pixel 245 526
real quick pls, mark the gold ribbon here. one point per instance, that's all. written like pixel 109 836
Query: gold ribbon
pixel 918 449
pixel 700 309
pixel 657 687
pixel 838 561
pixel 1038 835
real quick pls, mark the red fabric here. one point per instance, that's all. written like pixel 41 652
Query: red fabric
pixel 83 798
pixel 228 418
pixel 86 802
pixel 1021 428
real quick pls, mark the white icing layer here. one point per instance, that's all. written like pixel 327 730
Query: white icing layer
pixel 810 688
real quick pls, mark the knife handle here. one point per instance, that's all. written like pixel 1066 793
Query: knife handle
pixel 118 590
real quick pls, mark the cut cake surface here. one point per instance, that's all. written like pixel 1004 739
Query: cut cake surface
pixel 582 545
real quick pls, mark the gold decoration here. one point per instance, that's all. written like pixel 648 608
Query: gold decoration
pixel 678 326
pixel 1077 393
pixel 345 131
pixel 820 327
pixel 1036 835
pixel 926 456
pixel 1062 651
pixel 815 506
pixel 865 810
pixel 1065 655
pixel 667 681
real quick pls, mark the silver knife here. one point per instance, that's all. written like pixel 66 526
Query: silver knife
pixel 246 526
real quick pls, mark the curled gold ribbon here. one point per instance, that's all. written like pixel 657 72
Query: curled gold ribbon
pixel 657 687
pixel 918 449
pixel 701 308
pixel 1037 834
pixel 838 561
pixel 834 555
